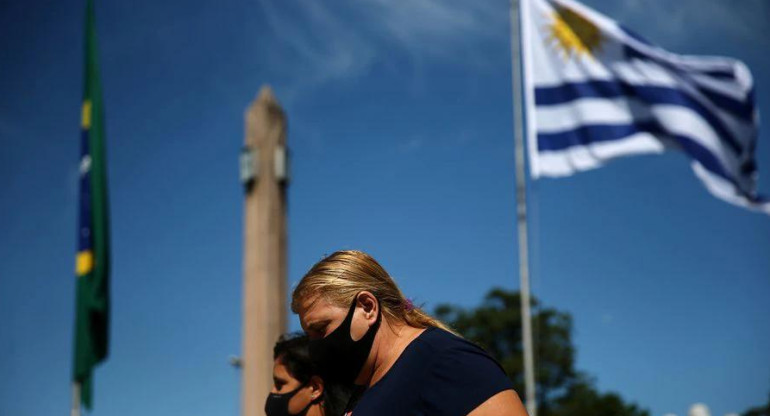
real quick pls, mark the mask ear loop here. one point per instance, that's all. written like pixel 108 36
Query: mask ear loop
pixel 293 392
pixel 320 397
pixel 375 327
pixel 355 302
pixel 303 412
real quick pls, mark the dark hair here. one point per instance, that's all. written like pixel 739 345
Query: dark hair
pixel 292 350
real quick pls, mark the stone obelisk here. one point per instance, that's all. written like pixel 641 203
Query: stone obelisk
pixel 264 174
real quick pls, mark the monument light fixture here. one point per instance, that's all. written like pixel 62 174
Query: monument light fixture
pixel 249 164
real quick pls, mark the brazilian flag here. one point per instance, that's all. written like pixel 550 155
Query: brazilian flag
pixel 93 257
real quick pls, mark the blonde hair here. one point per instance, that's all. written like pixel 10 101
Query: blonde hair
pixel 339 277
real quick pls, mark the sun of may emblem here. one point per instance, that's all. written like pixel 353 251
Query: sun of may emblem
pixel 572 33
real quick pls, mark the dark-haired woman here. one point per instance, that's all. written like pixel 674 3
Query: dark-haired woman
pixel 297 387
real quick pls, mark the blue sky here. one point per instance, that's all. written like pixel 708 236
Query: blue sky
pixel 401 139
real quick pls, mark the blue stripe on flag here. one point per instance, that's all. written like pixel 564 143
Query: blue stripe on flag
pixel 587 134
pixel 723 74
pixel 740 109
pixel 565 93
pixel 635 35
pixel 743 109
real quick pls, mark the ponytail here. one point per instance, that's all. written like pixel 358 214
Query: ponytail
pixel 417 318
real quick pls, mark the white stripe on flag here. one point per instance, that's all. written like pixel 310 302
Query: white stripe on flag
pixel 562 117
pixel 726 191
pixel 579 158
pixel 603 93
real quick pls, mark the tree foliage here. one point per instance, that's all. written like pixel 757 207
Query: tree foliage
pixel 561 389
pixel 759 410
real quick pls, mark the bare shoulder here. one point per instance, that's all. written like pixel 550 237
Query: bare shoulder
pixel 505 403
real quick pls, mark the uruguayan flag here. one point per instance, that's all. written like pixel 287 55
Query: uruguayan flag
pixel 595 91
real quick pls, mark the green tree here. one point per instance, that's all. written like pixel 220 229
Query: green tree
pixel 561 390
pixel 759 410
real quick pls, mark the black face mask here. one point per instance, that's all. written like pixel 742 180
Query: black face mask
pixel 278 404
pixel 337 356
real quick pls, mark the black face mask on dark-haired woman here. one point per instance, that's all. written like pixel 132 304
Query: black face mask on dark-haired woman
pixel 277 404
pixel 338 357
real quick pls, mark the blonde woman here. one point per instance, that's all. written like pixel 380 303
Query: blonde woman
pixel 364 331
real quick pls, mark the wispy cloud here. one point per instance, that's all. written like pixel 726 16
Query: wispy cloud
pixel 412 145
pixel 344 39
pixel 684 21
pixel 312 43
pixel 435 27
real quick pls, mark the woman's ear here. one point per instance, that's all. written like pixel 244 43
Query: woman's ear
pixel 369 302
pixel 316 385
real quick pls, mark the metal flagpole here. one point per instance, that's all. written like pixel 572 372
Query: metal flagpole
pixel 521 209
pixel 75 411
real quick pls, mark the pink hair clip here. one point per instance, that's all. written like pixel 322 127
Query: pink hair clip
pixel 408 305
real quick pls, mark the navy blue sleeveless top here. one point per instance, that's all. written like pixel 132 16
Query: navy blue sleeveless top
pixel 438 374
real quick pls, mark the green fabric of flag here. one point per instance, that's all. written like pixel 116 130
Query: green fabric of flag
pixel 93 257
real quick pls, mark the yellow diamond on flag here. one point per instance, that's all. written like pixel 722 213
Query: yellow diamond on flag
pixel 84 263
pixel 86 115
